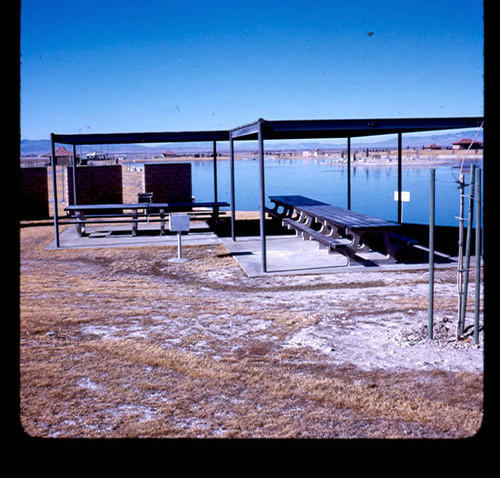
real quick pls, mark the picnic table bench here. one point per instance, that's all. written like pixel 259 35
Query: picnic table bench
pixel 135 213
pixel 339 229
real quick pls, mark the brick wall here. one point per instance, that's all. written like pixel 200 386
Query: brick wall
pixel 169 182
pixel 96 185
pixel 34 193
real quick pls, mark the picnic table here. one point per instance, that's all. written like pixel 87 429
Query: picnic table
pixel 135 213
pixel 339 229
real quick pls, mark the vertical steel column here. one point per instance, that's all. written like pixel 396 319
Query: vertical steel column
pixel 432 206
pixel 179 245
pixel 262 200
pixel 231 158
pixel 74 176
pixel 400 182
pixel 478 257
pixel 467 250
pixel 54 189
pixel 349 173
pixel 215 171
pixel 460 278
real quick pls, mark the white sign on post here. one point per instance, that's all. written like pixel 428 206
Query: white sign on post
pixel 178 223
pixel 405 196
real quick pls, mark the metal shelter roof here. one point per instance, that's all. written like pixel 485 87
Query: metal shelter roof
pixel 345 128
pixel 145 137
pixel 281 129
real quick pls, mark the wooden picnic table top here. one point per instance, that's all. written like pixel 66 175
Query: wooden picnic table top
pixel 144 205
pixel 334 214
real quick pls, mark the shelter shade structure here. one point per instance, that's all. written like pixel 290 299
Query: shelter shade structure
pixel 128 138
pixel 261 130
pixel 335 128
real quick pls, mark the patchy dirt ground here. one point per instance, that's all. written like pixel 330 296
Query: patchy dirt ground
pixel 123 343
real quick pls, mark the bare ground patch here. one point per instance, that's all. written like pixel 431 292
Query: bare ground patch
pixel 122 343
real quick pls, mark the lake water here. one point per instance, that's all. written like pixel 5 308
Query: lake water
pixel 372 187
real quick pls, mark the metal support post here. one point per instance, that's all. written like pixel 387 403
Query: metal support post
pixel 349 173
pixel 179 245
pixel 400 182
pixel 460 278
pixel 467 251
pixel 432 210
pixel 215 172
pixel 74 176
pixel 54 189
pixel 478 257
pixel 262 200
pixel 233 212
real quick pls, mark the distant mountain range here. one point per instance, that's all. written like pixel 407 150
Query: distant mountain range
pixel 30 147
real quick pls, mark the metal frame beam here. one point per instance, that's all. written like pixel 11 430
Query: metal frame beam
pixel 251 129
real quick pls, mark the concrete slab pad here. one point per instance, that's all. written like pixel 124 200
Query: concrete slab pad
pixel 121 236
pixel 285 255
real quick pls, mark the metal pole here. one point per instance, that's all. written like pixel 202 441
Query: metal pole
pixel 233 212
pixel 262 200
pixel 179 245
pixel 215 171
pixel 467 250
pixel 54 189
pixel 432 210
pixel 74 175
pixel 349 173
pixel 478 257
pixel 63 189
pixel 400 186
pixel 460 279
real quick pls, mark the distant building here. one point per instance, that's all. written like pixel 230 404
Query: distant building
pixel 316 153
pixel 432 146
pixel 169 154
pixel 63 156
pixel 467 143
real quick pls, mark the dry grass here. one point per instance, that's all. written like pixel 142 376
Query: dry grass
pixel 121 343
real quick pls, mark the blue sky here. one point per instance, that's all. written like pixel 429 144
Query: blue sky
pixel 115 66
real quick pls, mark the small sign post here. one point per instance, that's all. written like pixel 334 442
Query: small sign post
pixel 178 223
pixel 405 197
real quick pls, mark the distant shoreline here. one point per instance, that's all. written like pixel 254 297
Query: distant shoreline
pixel 373 159
pixel 382 158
